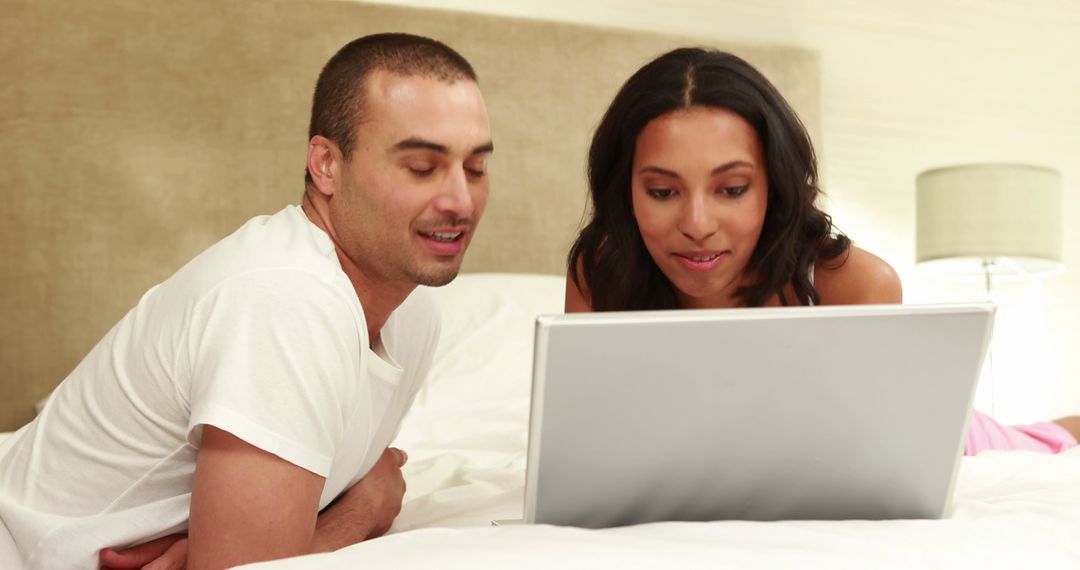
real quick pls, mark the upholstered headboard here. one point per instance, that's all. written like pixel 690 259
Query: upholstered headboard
pixel 133 134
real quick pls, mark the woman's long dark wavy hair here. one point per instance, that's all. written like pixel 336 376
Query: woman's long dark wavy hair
pixel 609 261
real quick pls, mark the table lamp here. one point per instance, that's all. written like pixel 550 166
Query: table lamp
pixel 996 221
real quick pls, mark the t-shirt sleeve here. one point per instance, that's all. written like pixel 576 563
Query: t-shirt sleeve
pixel 272 355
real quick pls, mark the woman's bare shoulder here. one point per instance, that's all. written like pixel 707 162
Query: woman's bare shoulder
pixel 857 277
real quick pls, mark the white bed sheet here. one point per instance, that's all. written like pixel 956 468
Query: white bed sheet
pixel 1014 510
pixel 466 437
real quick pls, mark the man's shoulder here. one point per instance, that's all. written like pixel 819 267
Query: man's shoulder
pixel 267 249
pixel 286 239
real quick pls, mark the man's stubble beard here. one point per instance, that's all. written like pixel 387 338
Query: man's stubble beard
pixel 435 279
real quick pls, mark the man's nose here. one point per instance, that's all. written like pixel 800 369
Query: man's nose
pixel 455 197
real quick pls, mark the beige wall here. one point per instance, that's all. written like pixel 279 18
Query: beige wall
pixel 134 134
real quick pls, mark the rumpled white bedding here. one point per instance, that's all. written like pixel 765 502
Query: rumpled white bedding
pixel 466 438
pixel 1014 511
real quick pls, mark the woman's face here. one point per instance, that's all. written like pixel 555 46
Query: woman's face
pixel 699 191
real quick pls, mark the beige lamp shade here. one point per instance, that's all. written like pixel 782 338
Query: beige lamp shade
pixel 1005 219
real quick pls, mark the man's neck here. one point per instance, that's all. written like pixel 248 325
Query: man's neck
pixel 377 297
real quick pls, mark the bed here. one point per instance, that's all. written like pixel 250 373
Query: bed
pixel 466 437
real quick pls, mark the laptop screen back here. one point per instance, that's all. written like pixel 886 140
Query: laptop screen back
pixel 854 412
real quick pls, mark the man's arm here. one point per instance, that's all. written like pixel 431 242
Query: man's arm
pixel 365 511
pixel 248 504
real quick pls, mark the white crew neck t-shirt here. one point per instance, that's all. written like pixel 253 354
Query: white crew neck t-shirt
pixel 263 336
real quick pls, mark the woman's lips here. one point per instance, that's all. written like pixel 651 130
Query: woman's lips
pixel 701 260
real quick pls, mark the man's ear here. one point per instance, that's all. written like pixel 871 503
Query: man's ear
pixel 323 163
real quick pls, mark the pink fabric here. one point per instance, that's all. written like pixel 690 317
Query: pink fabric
pixel 986 433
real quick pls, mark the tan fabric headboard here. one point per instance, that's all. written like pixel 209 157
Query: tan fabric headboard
pixel 134 134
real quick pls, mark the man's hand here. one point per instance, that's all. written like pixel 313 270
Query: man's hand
pixel 166 553
pixel 384 486
pixel 367 509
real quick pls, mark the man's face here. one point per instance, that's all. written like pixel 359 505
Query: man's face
pixel 416 184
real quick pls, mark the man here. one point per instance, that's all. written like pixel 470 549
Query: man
pixel 250 398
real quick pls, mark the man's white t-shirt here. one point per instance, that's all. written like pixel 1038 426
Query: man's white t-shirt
pixel 263 336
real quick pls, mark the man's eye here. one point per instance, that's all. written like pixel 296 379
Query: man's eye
pixel 660 193
pixel 734 191
pixel 421 172
pixel 475 173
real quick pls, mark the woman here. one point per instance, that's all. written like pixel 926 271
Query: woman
pixel 703 184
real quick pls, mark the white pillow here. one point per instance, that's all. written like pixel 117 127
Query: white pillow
pixel 486 344
pixel 466 433
pixel 482 372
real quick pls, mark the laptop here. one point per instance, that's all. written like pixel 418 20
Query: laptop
pixel 824 413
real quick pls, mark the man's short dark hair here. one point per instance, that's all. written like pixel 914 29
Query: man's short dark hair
pixel 338 105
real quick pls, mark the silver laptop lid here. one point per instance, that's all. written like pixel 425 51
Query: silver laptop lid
pixel 846 412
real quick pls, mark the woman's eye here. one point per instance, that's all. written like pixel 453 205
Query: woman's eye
pixel 660 193
pixel 734 191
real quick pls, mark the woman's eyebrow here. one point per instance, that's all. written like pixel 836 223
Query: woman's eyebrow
pixel 658 170
pixel 729 165
pixel 718 170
